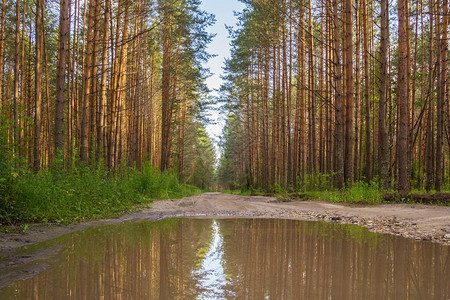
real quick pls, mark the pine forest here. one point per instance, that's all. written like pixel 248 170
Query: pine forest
pixel 325 94
pixel 317 95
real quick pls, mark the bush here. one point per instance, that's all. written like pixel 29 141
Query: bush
pixel 363 192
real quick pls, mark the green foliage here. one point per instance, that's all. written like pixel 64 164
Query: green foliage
pixel 231 144
pixel 82 193
pixel 153 184
pixel 362 192
pixel 199 157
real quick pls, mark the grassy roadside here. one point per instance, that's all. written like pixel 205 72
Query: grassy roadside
pixel 360 193
pixel 83 193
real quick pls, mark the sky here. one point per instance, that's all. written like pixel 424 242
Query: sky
pixel 220 45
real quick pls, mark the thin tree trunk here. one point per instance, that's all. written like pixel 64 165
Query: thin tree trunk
pixel 348 64
pixel 383 160
pixel 2 50
pixel 166 97
pixel 430 139
pixel 16 80
pixel 312 88
pixel 441 99
pixel 356 170
pixel 402 92
pixel 339 109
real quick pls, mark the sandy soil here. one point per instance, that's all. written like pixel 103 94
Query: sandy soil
pixel 420 222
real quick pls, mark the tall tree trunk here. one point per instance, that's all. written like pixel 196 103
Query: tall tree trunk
pixel 430 138
pixel 166 89
pixel 2 50
pixel 302 95
pixel 402 100
pixel 383 159
pixel 87 70
pixel 38 85
pixel 312 107
pixel 356 169
pixel 348 64
pixel 339 109
pixel 94 94
pixel 265 134
pixel 16 80
pixel 64 27
pixel 103 84
pixel 441 99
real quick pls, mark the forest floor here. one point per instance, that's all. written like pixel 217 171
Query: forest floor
pixel 415 221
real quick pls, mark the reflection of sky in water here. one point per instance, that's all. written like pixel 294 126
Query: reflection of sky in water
pixel 212 277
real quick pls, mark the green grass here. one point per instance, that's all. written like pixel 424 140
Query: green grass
pixel 83 193
pixel 361 192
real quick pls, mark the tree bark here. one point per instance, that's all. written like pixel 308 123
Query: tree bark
pixel 2 50
pixel 348 64
pixel 64 26
pixel 38 85
pixel 166 89
pixel 430 138
pixel 87 70
pixel 101 135
pixel 383 159
pixel 16 80
pixel 441 99
pixel 402 100
pixel 339 180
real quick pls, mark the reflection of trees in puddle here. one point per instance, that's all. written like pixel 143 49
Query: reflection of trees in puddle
pixel 253 259
pixel 282 259
pixel 145 260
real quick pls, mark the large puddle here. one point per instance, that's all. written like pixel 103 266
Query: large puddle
pixel 231 258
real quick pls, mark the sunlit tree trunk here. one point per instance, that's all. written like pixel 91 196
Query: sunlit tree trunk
pixel 101 133
pixel 16 80
pixel 38 85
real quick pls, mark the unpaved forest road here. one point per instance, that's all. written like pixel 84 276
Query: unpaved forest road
pixel 420 222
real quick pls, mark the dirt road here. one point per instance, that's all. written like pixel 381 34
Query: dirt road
pixel 420 222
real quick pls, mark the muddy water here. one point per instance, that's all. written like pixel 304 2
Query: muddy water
pixel 227 259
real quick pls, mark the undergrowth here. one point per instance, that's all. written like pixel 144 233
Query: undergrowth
pixel 82 193
pixel 360 192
